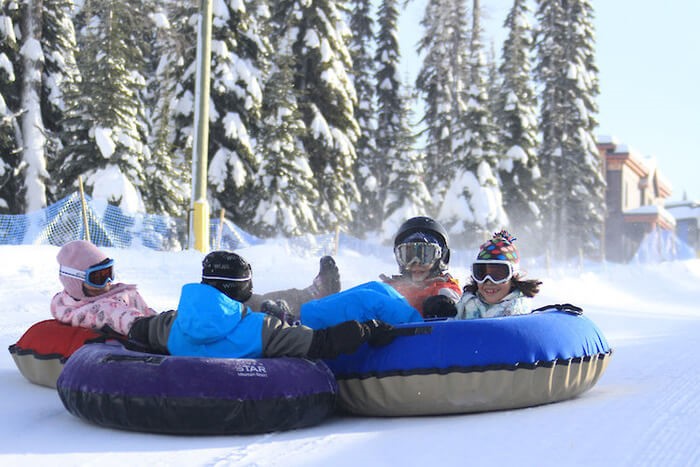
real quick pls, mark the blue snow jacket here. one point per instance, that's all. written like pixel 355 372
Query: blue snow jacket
pixel 210 324
pixel 371 300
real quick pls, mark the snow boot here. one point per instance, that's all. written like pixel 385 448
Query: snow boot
pixel 327 281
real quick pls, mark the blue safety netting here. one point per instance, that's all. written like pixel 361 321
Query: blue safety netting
pixel 110 226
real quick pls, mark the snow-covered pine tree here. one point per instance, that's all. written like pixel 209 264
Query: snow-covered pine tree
pixel 166 188
pixel 516 117
pixel 493 79
pixel 571 167
pixel 393 132
pixel 474 203
pixel 12 186
pixel 183 18
pixel 106 127
pixel 31 122
pixel 406 193
pixel 240 55
pixel 286 183
pixel 366 214
pixel 440 82
pixel 60 78
pixel 326 99
pixel 38 62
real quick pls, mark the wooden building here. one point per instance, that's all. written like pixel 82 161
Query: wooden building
pixel 687 215
pixel 635 198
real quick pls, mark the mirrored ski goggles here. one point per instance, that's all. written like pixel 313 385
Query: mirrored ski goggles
pixel 97 276
pixel 420 253
pixel 498 272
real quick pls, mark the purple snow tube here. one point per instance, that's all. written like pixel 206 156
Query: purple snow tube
pixel 114 387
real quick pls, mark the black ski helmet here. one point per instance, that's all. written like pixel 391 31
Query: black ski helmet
pixel 229 273
pixel 427 225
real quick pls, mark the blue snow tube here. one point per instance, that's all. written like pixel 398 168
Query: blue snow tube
pixel 111 386
pixel 474 365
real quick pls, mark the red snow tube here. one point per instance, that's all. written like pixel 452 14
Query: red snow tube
pixel 44 348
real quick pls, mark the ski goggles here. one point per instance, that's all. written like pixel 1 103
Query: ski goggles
pixel 420 253
pixel 97 276
pixel 498 272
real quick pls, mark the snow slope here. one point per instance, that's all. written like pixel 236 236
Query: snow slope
pixel 643 411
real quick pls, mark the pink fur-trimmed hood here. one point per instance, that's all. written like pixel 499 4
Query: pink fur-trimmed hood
pixel 78 254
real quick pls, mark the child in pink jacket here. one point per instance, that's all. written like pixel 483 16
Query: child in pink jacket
pixel 90 298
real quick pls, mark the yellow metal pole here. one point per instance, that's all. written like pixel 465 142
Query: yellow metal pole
pixel 200 205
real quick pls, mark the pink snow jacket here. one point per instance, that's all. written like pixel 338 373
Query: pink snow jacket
pixel 117 309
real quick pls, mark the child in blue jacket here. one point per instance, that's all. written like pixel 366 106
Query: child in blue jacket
pixel 212 321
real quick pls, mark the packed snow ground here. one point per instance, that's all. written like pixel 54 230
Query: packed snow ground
pixel 644 410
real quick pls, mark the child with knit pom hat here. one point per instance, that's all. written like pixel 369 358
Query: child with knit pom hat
pixel 90 298
pixel 497 287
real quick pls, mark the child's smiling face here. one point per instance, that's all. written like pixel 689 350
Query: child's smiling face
pixel 493 293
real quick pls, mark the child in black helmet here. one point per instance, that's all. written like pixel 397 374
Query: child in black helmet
pixel 423 256
pixel 212 321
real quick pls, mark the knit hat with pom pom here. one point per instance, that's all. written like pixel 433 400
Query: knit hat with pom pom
pixel 500 248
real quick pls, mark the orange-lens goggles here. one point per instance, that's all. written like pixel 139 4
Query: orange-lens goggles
pixel 100 275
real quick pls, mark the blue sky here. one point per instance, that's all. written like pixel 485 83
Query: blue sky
pixel 648 61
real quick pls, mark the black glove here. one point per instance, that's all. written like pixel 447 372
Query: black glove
pixel 279 309
pixel 347 337
pixel 139 330
pixel 137 340
pixel 379 332
pixel 150 334
pixel 439 306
